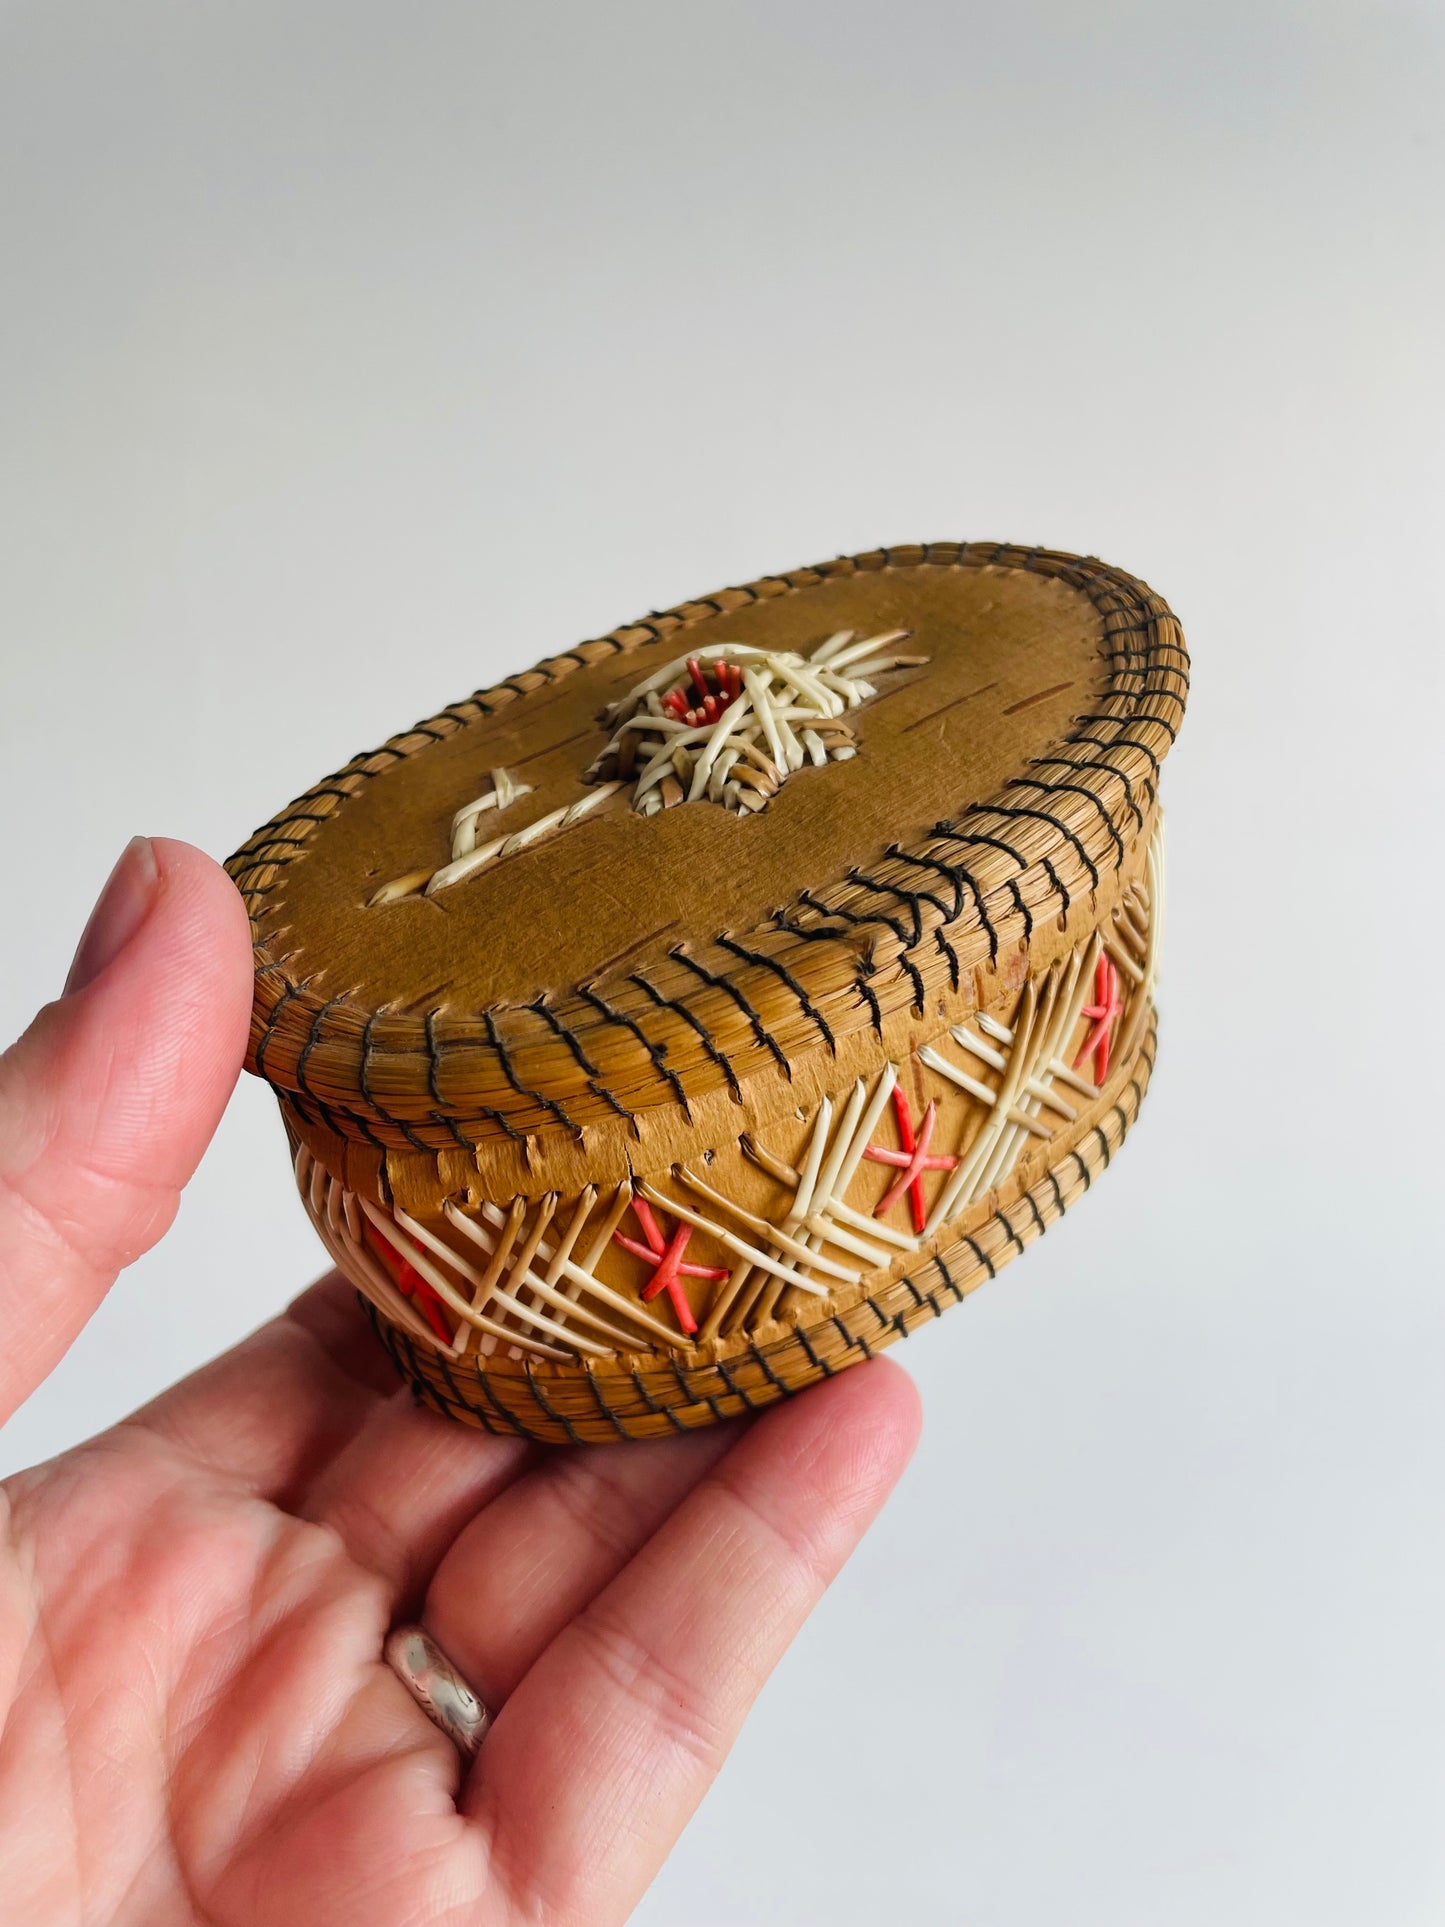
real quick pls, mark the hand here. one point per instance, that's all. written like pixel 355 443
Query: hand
pixel 197 1724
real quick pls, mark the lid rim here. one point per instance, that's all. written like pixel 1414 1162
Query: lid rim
pixel 741 1005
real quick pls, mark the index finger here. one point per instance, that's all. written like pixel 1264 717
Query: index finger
pixel 597 1760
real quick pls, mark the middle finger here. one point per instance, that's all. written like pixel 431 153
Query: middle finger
pixel 545 1547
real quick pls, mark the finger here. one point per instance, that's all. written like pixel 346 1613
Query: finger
pixel 329 1311
pixel 109 1099
pixel 273 1411
pixel 619 1728
pixel 548 1545
pixel 403 1488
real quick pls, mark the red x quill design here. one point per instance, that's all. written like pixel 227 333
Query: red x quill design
pixel 912 1161
pixel 666 1255
pixel 1105 1011
pixel 411 1284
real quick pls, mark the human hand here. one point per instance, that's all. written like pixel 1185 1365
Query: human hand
pixel 197 1722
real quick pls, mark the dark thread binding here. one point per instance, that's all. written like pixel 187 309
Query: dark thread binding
pixel 573 1043
pixel 856 1338
pixel 912 900
pixel 1077 789
pixel 1078 763
pixel 818 1363
pixel 694 1395
pixel 809 1008
pixel 504 1058
pixel 757 1353
pixel 941 1265
pixel 698 1027
pixel 268 1034
pixel 950 955
pixel 760 1031
pixel 663 1411
pixel 958 876
pixel 1011 811
pixel 601 1403
pixel 574 1437
pixel 313 1038
pixel 726 1375
pixel 1058 883
pixel 654 1051
pixel 982 1256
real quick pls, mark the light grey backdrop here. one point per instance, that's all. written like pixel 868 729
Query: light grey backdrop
pixel 352 355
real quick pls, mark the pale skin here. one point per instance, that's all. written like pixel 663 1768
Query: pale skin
pixel 195 1721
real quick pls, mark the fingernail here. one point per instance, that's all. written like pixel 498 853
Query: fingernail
pixel 119 912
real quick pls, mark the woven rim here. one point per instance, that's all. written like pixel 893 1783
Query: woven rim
pixel 840 960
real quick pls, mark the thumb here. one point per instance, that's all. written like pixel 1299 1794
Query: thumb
pixel 110 1097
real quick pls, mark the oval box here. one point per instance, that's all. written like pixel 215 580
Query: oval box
pixel 684 1019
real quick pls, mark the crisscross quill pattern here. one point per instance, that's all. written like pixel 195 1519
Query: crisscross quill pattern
pixel 523 1281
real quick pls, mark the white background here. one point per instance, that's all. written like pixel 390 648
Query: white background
pixel 353 355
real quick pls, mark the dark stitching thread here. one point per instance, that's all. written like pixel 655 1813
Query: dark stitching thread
pixel 866 992
pixel 810 1009
pixel 1027 914
pixel 505 1060
pixel 1012 811
pixel 548 1409
pixel 948 1278
pixel 603 1407
pixel 1056 880
pixel 755 1351
pixel 725 1374
pixel 695 1022
pixel 950 953
pixel 313 1038
pixel 982 1256
pixel 694 1395
pixel 885 1323
pixel 664 1411
pixel 912 898
pixel 1074 762
pixel 268 1035
pixel 654 1051
pixel 1123 742
pixel 950 835
pixel 958 876
pixel 819 1364
pixel 1077 789
pixel 436 1050
pixel 573 1043
pixel 763 1036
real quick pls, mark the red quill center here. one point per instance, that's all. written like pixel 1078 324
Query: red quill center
pixel 911 1161
pixel 666 1255
pixel 1104 1014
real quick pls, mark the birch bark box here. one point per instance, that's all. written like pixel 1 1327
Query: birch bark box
pixel 687 1018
